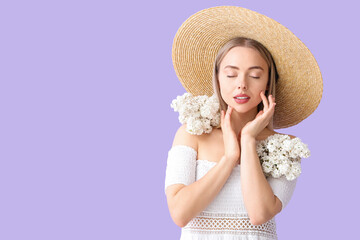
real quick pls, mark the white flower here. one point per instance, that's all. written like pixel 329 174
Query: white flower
pixel 205 111
pixel 272 148
pixel 281 156
pixel 194 125
pixel 200 113
pixel 284 168
pixel 267 167
pixel 182 118
pixel 287 144
pixel 215 121
pixel 276 173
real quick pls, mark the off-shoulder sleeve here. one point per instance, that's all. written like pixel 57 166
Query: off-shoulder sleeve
pixel 282 164
pixel 282 188
pixel 181 165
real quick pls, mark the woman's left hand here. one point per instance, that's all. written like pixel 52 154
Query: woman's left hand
pixel 262 119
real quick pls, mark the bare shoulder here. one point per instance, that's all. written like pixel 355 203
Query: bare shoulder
pixel 182 137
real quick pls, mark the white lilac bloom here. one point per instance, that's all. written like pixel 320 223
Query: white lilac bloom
pixel 215 121
pixel 205 111
pixel 284 168
pixel 275 173
pixel 267 167
pixel 194 125
pixel 281 156
pixel 200 113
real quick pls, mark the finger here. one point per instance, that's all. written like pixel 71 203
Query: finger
pixel 227 120
pixel 265 102
pixel 268 114
pixel 272 102
pixel 222 117
pixel 259 113
pixel 228 113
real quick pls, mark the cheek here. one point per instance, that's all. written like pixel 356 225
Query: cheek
pixel 260 87
pixel 223 93
pixel 224 90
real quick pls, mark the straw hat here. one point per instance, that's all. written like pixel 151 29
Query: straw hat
pixel 197 41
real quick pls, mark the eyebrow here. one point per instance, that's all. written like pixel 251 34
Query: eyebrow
pixel 253 67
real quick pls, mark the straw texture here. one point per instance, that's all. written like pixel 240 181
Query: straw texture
pixel 197 41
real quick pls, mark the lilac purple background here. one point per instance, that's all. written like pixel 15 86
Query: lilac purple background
pixel 86 122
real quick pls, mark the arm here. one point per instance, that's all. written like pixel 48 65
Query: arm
pixel 260 201
pixel 187 201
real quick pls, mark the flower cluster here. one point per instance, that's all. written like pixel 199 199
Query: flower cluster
pixel 200 113
pixel 279 155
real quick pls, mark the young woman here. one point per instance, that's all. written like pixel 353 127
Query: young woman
pixel 223 183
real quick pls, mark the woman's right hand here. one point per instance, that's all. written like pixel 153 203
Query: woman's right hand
pixel 231 141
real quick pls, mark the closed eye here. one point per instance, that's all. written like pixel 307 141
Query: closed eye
pixel 235 76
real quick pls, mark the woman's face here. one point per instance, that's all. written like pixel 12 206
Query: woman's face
pixel 243 71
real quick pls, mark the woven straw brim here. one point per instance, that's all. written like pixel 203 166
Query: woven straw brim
pixel 197 41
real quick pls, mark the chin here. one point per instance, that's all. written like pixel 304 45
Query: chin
pixel 242 109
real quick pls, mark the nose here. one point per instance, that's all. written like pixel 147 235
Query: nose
pixel 241 82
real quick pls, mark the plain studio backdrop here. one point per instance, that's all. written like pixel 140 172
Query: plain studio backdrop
pixel 86 122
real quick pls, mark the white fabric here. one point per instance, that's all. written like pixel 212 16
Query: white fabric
pixel 181 165
pixel 282 188
pixel 227 210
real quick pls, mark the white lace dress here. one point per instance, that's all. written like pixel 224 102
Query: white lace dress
pixel 226 217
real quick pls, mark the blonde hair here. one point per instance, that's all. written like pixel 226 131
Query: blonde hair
pixel 250 43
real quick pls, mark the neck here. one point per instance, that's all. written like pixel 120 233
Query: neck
pixel 239 120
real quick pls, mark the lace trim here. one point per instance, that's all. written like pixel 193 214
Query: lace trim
pixel 230 223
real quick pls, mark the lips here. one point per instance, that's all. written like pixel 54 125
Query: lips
pixel 242 95
pixel 244 98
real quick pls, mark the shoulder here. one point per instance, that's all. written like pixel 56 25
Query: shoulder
pixel 182 137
